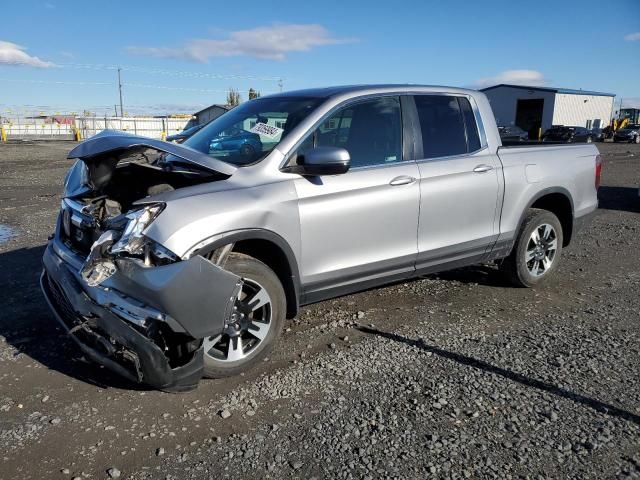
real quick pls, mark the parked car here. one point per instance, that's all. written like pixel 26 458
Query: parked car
pixel 190 264
pixel 598 134
pixel 236 143
pixel 561 133
pixel 184 134
pixel 513 133
pixel 630 133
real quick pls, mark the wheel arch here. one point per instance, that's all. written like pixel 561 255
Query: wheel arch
pixel 558 201
pixel 271 249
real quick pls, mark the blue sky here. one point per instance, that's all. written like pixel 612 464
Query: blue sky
pixel 60 55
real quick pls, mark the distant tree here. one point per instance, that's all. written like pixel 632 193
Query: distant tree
pixel 253 93
pixel 233 97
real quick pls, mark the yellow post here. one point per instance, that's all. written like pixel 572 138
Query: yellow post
pixel 540 134
pixel 164 135
pixel 3 134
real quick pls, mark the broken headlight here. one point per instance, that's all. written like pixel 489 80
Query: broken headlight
pixel 132 240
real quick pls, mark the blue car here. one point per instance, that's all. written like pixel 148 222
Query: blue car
pixel 236 143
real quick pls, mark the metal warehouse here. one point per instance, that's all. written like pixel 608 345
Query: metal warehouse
pixel 535 109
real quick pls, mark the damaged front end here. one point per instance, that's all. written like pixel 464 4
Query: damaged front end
pixel 131 304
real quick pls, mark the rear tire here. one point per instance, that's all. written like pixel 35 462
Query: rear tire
pixel 536 253
pixel 240 348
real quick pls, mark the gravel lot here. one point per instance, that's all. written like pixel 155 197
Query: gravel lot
pixel 451 376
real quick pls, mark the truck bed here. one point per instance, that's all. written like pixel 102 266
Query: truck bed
pixel 535 169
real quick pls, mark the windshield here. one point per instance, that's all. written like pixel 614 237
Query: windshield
pixel 247 133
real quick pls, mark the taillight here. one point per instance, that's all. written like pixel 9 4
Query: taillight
pixel 598 170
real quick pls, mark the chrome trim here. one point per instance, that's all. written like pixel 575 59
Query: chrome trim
pixel 479 124
pixel 78 221
pixel 334 109
pixel 474 107
pixel 75 205
pixel 451 157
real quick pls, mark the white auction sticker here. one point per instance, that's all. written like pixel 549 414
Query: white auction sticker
pixel 266 130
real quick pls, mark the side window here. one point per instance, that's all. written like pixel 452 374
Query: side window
pixel 442 125
pixel 371 131
pixel 297 157
pixel 473 138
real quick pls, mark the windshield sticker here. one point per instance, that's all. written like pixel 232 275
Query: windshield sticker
pixel 266 130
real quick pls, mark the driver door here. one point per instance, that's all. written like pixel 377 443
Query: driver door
pixel 359 229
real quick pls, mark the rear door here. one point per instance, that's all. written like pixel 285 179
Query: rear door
pixel 360 227
pixel 459 183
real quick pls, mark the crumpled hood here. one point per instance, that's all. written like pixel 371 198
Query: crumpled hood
pixel 116 142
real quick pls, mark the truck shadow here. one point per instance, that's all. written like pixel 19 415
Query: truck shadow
pixel 487 275
pixel 588 402
pixel 624 199
pixel 31 329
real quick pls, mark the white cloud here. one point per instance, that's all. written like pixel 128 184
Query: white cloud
pixel 514 77
pixel 632 37
pixel 12 54
pixel 267 43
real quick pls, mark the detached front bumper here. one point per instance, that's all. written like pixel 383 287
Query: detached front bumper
pixel 145 324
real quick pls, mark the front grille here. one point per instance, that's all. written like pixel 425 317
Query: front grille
pixel 61 304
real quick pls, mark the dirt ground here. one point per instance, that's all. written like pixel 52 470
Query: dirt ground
pixel 454 376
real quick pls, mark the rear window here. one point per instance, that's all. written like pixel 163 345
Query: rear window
pixel 447 124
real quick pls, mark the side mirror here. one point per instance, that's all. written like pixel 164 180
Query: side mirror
pixel 323 161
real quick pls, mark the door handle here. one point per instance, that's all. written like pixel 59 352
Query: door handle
pixel 402 180
pixel 482 168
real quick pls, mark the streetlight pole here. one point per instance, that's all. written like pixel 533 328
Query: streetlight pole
pixel 120 90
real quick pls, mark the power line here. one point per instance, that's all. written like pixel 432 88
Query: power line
pixel 55 82
pixel 185 89
pixel 174 73
pixel 135 85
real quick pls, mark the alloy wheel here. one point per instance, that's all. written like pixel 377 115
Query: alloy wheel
pixel 541 250
pixel 246 328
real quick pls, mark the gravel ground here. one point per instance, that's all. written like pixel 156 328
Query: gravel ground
pixel 451 376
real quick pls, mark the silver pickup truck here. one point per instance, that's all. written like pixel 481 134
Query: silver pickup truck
pixel 170 262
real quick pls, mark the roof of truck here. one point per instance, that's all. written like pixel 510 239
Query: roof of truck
pixel 571 91
pixel 326 92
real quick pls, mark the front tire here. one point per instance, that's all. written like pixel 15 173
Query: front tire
pixel 536 253
pixel 254 326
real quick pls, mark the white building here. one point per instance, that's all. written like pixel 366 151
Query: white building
pixel 538 108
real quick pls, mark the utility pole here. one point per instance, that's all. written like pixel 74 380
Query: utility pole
pixel 115 109
pixel 120 90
